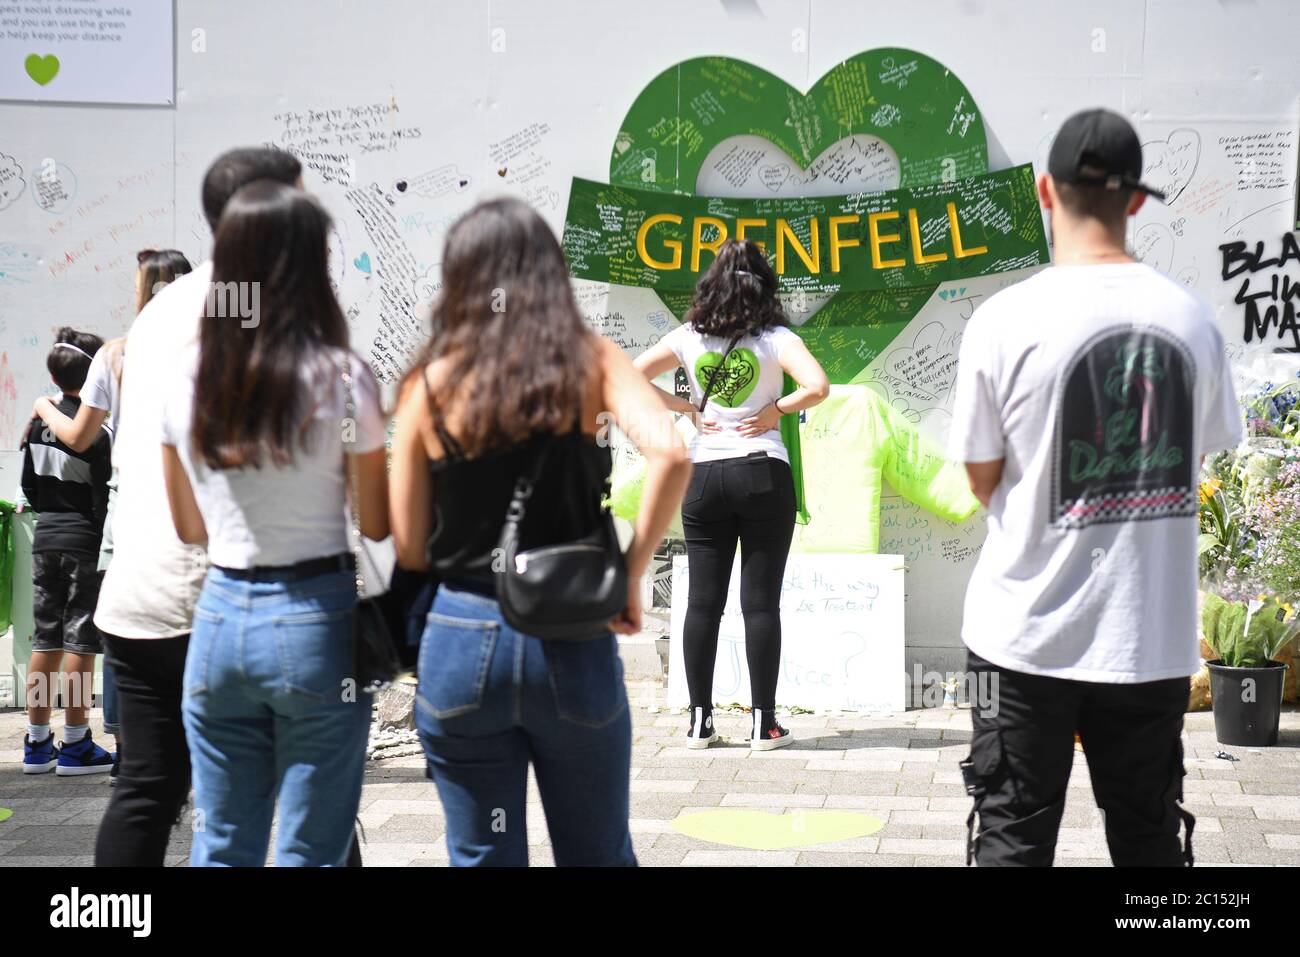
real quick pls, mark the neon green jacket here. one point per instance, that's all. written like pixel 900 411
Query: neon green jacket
pixel 851 443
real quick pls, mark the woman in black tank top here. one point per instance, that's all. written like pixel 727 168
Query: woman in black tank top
pixel 510 369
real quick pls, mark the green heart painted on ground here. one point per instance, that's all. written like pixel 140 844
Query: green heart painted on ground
pixel 763 831
pixel 5 814
pixel 42 69
pixel 736 379
pixel 911 102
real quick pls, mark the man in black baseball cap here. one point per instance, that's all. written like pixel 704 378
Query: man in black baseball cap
pixel 1099 148
pixel 1086 396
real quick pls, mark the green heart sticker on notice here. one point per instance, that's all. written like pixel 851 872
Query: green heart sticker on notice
pixel 42 69
pixel 733 382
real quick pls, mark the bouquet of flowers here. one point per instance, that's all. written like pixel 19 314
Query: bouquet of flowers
pixel 1249 546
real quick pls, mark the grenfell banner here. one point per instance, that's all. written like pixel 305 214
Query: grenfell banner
pixel 863 242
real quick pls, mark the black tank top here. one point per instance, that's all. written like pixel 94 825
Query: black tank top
pixel 470 497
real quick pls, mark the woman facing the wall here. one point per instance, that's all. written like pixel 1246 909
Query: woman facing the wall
pixel 273 421
pixel 736 345
pixel 512 373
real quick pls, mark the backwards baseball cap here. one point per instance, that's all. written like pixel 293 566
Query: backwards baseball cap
pixel 1099 148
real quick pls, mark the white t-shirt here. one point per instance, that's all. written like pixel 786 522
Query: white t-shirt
pixel 100 390
pixel 751 380
pixel 153 582
pixel 279 515
pixel 1101 387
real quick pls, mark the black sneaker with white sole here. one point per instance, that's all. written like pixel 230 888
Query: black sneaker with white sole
pixel 768 735
pixel 702 732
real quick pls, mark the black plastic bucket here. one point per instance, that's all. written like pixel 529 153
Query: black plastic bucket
pixel 1243 715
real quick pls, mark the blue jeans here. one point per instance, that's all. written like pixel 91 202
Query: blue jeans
pixel 270 713
pixel 490 701
pixel 112 723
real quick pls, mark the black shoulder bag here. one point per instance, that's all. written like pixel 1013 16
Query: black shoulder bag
pixel 377 658
pixel 569 591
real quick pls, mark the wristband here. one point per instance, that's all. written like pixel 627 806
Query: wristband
pixel 777 405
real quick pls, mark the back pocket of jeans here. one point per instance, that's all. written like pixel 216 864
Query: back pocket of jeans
pixel 315 650
pixel 455 660
pixel 204 635
pixel 587 680
pixel 695 488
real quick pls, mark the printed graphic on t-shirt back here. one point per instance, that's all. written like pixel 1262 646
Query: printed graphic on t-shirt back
pixel 729 380
pixel 1122 449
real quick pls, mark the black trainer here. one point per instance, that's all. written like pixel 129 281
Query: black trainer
pixel 768 735
pixel 702 732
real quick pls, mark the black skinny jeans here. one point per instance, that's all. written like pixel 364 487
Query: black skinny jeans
pixel 154 781
pixel 749 499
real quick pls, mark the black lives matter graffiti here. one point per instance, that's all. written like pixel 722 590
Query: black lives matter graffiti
pixel 1122 449
pixel 1268 290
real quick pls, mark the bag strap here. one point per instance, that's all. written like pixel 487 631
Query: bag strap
pixel 525 484
pixel 717 370
pixel 452 450
pixel 348 427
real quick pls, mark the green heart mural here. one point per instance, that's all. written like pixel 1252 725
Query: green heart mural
pixel 733 383
pixel 42 69
pixel 911 102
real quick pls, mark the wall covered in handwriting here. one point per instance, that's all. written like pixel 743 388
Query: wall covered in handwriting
pixel 1267 288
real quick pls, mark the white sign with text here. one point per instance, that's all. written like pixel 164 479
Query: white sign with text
pixel 87 51
pixel 841 635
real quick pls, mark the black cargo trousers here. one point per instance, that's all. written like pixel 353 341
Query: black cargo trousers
pixel 1022 749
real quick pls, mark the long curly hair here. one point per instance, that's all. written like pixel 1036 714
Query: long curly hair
pixel 507 320
pixel 737 296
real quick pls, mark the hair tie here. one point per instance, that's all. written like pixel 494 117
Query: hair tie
pixel 744 272
pixel 69 345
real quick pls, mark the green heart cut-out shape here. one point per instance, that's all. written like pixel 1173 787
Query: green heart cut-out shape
pixel 736 379
pixel 42 69
pixel 912 102
pixel 764 831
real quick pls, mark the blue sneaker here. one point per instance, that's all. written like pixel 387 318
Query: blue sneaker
pixel 83 757
pixel 39 758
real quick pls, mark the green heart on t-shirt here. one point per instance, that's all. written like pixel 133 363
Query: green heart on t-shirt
pixel 734 382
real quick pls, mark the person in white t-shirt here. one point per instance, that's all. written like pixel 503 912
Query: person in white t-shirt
pixel 100 399
pixel 736 346
pixel 270 427
pixel 1086 398
pixel 146 603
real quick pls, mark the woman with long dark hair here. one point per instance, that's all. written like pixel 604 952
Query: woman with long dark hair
pixel 736 345
pixel 511 374
pixel 262 444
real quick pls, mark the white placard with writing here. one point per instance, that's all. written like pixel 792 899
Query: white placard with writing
pixel 841 641
pixel 87 51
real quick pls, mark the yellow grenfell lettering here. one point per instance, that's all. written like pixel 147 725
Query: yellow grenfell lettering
pixel 958 250
pixel 744 224
pixel 674 245
pixel 783 231
pixel 837 243
pixel 697 239
pixel 918 256
pixel 873 232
